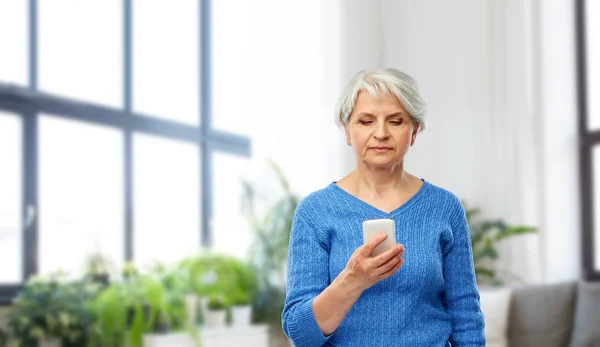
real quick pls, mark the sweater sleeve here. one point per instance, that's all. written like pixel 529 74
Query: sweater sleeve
pixel 307 277
pixel 461 298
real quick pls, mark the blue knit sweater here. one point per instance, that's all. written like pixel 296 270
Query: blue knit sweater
pixel 431 301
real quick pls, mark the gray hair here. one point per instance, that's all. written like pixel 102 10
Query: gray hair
pixel 403 86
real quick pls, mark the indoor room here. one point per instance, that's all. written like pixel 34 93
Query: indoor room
pixel 153 155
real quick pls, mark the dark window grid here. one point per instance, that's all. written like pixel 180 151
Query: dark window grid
pixel 29 103
pixel 588 140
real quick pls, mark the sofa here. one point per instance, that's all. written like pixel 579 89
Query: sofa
pixel 550 315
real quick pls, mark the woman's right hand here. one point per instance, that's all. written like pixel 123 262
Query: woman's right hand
pixel 363 270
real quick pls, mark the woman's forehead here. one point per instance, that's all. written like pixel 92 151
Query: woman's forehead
pixel 383 105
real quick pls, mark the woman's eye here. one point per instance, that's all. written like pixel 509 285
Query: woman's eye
pixel 366 122
pixel 396 122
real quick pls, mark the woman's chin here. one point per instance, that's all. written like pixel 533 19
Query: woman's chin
pixel 381 163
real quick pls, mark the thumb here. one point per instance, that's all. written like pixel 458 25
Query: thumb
pixel 373 242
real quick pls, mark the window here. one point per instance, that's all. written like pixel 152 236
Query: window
pixel 588 23
pixel 13 40
pixel 231 57
pixel 10 198
pixel 166 199
pixel 165 54
pixel 80 193
pixel 107 138
pixel 83 63
pixel 232 232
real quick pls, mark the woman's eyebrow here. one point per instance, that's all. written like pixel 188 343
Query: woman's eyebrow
pixel 395 114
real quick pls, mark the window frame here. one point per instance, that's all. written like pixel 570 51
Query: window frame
pixel 588 139
pixel 28 103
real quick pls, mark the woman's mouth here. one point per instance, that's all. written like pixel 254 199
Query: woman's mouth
pixel 381 149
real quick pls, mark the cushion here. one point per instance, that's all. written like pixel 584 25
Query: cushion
pixel 542 315
pixel 495 304
pixel 586 330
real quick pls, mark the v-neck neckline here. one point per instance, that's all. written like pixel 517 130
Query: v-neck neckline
pixel 366 206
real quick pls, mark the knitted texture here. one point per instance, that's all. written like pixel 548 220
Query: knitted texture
pixel 432 300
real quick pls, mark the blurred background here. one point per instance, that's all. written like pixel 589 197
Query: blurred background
pixel 142 133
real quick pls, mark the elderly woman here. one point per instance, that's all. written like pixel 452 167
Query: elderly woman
pixel 422 292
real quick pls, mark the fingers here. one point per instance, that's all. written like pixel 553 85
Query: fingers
pixel 391 262
pixel 392 271
pixel 389 254
pixel 367 270
pixel 374 242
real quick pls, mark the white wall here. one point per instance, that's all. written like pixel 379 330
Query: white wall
pixel 557 105
pixel 445 48
pixel 302 54
pixel 499 80
pixel 294 62
pixel 460 53
pixel 362 49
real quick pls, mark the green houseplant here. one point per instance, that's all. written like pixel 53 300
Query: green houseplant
pixel 127 309
pixel 3 337
pixel 217 303
pixel 216 313
pixel 243 291
pixel 142 303
pixel 240 298
pixel 53 308
pixel 210 276
pixel 243 286
pixel 98 268
pixel 485 235
pixel 205 273
pixel 270 247
pixel 177 313
pixel 173 317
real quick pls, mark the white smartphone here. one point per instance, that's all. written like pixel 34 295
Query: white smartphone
pixel 373 227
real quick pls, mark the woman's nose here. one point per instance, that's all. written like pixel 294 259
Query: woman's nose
pixel 381 131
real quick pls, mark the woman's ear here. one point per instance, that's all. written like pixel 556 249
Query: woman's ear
pixel 347 131
pixel 414 133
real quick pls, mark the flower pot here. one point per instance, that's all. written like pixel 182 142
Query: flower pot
pixel 191 308
pixel 215 318
pixel 49 343
pixel 241 315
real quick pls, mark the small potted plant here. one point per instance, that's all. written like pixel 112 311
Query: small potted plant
pixel 243 291
pixel 192 271
pixel 216 313
pixel 178 313
pixel 241 309
pixel 485 235
pixel 52 312
pixel 207 276
pixel 3 338
pixel 98 269
pixel 128 309
pixel 269 250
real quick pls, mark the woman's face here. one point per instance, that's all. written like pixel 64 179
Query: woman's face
pixel 380 130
